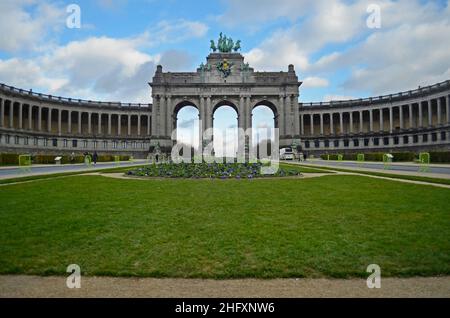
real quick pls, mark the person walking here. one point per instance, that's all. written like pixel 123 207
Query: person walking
pixel 95 157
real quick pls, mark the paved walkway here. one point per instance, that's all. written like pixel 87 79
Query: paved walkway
pixel 408 168
pixel 16 172
pixel 35 286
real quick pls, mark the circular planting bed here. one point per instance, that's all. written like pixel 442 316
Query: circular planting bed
pixel 209 170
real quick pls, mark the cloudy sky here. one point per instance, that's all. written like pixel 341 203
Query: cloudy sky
pixel 114 53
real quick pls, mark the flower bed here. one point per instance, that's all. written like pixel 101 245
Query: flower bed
pixel 208 170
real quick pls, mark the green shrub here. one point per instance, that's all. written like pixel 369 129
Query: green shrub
pixel 9 159
pixel 440 156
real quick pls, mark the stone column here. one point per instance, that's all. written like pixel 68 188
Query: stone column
pixel 410 112
pixel 371 120
pixel 119 124
pixel 139 124
pixel 351 122
pixel 430 114
pixel 311 121
pixel 129 126
pixel 11 115
pixel 281 122
pixel 341 122
pixel 241 118
pixel 400 112
pixel 59 121
pixel 248 112
pixel 448 109
pixel 361 121
pixel 154 114
pixel 30 117
pixel 2 113
pixel 148 124
pixel 294 101
pixel 162 117
pixel 321 124
pixel 439 110
pixel 49 123
pixel 381 120
pixel 69 121
pixel 209 118
pixel 89 123
pixel 202 113
pixel 169 121
pixel 420 115
pixel 39 118
pixel 391 120
pixel 99 123
pixel 20 115
pixel 79 122
pixel 109 124
pixel 302 124
pixel 331 124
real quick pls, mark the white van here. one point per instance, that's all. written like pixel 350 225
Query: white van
pixel 286 154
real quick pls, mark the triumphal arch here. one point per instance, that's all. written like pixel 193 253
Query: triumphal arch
pixel 225 79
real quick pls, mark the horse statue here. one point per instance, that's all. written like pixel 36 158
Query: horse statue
pixel 213 46
pixel 237 47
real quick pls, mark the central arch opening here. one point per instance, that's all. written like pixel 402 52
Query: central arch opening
pixel 225 138
pixel 187 126
pixel 263 134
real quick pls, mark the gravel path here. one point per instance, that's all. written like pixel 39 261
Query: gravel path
pixel 35 286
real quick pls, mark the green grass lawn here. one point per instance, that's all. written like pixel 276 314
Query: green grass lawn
pixel 331 226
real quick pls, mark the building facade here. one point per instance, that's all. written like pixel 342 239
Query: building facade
pixel 412 121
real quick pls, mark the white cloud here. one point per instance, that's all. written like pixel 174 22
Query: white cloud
pixel 313 81
pixel 24 29
pixel 328 98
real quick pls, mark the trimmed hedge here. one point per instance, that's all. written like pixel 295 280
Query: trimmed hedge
pixel 13 159
pixel 435 157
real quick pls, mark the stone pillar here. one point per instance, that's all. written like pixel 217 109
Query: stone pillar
pixel 381 119
pixel 148 124
pixel 30 117
pixel 331 124
pixel 420 115
pixel 448 109
pixel 202 114
pixel 241 118
pixel 99 123
pixel 139 124
pixel 20 115
pixel 109 124
pixel 209 119
pixel 361 121
pixel 294 101
pixel 302 125
pixel 154 114
pixel 49 123
pixel 321 124
pixel 400 112
pixel 391 120
pixel 248 113
pixel 281 122
pixel 2 113
pixel 351 122
pixel 89 123
pixel 79 122
pixel 371 120
pixel 430 113
pixel 11 115
pixel 129 126
pixel 39 118
pixel 311 121
pixel 119 124
pixel 162 117
pixel 169 111
pixel 410 112
pixel 69 121
pixel 439 110
pixel 59 121
pixel 341 123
